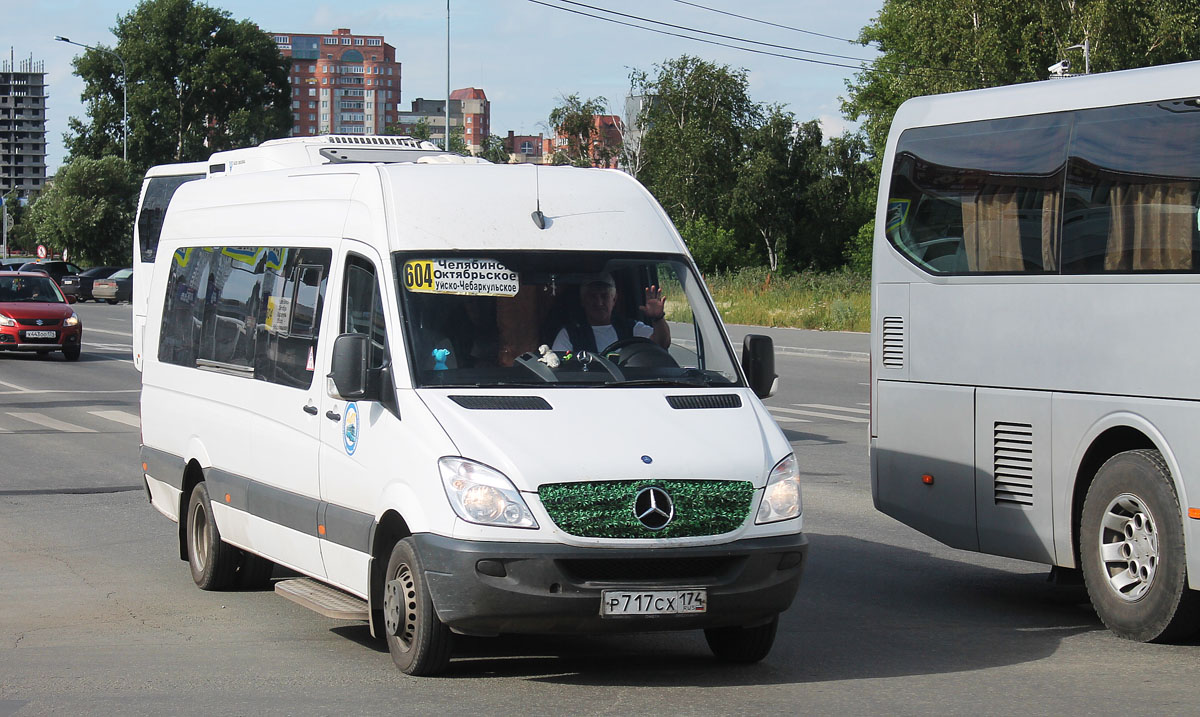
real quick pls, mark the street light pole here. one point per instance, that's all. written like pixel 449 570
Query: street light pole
pixel 446 144
pixel 124 91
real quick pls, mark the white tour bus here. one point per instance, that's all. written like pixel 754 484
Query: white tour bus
pixel 1034 386
pixel 161 182
pixel 396 380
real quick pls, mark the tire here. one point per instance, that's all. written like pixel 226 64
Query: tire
pixel 214 562
pixel 742 644
pixel 111 301
pixel 255 572
pixel 71 353
pixel 419 642
pixel 1132 551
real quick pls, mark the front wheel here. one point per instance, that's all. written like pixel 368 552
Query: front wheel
pixel 419 642
pixel 742 644
pixel 71 353
pixel 1132 551
pixel 214 562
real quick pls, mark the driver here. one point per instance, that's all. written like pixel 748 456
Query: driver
pixel 598 294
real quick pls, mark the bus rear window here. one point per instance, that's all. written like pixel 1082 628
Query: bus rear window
pixel 159 191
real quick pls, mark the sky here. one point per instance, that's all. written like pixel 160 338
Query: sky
pixel 524 55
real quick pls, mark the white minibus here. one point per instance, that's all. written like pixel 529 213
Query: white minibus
pixel 1034 388
pixel 463 398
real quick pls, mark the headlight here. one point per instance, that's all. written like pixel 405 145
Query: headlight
pixel 72 320
pixel 781 497
pixel 483 495
pixel 6 321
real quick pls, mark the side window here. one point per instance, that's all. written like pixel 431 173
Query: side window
pixel 980 197
pixel 249 311
pixel 1132 184
pixel 362 308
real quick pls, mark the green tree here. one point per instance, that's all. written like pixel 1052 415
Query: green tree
pixel 494 150
pixel 934 46
pixel 575 119
pixel 89 210
pixel 199 81
pixel 21 235
pixel 715 249
pixel 418 131
pixel 838 200
pixel 694 135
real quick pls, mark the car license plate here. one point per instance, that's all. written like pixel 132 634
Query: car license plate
pixel 687 601
pixel 40 334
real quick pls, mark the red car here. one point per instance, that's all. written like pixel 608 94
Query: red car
pixel 36 316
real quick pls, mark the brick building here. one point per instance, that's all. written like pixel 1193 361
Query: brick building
pixel 342 83
pixel 605 142
pixel 22 127
pixel 525 148
pixel 470 109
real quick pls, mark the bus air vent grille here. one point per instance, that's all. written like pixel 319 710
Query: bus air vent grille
pixel 1013 463
pixel 893 342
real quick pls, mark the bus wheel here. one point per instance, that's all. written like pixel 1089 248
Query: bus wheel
pixel 213 561
pixel 742 644
pixel 1131 547
pixel 419 642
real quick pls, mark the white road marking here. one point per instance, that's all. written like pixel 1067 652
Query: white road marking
pixel 19 389
pixel 817 414
pixel 51 423
pixel 107 331
pixel 827 407
pixel 128 419
pixel 788 419
pixel 864 404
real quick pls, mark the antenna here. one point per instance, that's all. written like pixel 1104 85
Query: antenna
pixel 538 218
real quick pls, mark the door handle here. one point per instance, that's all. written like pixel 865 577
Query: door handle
pixel 333 416
pixel 310 410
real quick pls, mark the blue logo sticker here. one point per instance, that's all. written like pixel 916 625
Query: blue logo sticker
pixel 350 428
pixel 647 460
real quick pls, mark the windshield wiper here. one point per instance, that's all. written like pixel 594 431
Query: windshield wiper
pixel 662 381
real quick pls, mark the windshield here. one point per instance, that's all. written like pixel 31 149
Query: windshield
pixel 560 318
pixel 29 289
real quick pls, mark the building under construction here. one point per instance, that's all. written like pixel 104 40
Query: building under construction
pixel 22 126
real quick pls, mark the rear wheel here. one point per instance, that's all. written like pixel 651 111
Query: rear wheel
pixel 419 642
pixel 111 301
pixel 742 644
pixel 1132 552
pixel 71 353
pixel 214 563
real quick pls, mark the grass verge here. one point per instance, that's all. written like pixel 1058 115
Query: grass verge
pixel 832 301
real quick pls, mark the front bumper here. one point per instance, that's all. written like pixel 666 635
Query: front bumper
pixel 12 338
pixel 484 588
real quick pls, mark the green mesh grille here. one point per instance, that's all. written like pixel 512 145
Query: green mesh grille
pixel 605 509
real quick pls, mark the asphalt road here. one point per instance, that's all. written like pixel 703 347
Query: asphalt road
pixel 99 616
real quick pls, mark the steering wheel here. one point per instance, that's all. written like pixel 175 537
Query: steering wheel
pixel 640 352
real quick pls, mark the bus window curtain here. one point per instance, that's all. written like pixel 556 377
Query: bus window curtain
pixel 1151 227
pixel 1051 228
pixel 992 230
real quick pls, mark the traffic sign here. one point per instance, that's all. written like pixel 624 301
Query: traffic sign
pixel 41 251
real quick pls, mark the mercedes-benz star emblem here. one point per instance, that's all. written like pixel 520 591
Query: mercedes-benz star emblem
pixel 653 508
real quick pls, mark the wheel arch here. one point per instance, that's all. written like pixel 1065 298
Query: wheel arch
pixel 390 529
pixel 1113 434
pixel 193 475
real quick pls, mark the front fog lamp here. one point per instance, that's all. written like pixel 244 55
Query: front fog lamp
pixel 483 495
pixel 781 498
pixel 72 320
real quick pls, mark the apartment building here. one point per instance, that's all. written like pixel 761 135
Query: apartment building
pixel 470 109
pixel 22 126
pixel 342 83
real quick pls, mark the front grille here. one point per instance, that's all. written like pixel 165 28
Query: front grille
pixel 502 403
pixel 34 322
pixel 720 400
pixel 604 509
pixel 705 570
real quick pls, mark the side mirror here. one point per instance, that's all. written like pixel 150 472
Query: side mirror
pixel 758 361
pixel 70 298
pixel 349 371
